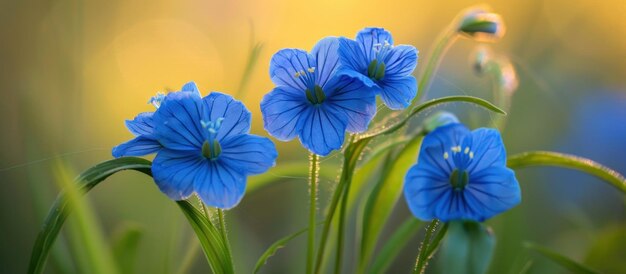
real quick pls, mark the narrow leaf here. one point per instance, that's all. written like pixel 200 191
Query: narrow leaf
pixel 383 198
pixel 275 247
pixel 547 158
pixel 60 209
pixel 563 261
pixel 398 240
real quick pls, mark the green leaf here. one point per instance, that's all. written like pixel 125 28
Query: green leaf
pixel 468 248
pixel 275 247
pixel 60 209
pixel 210 239
pixel 383 198
pixel 88 239
pixel 398 240
pixel 547 158
pixel 126 242
pixel 563 261
pixel 608 250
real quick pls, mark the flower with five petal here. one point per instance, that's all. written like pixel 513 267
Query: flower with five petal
pixel 461 175
pixel 374 60
pixel 312 101
pixel 206 148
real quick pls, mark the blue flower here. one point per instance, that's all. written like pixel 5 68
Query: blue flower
pixel 374 59
pixel 461 175
pixel 312 101
pixel 142 127
pixel 205 148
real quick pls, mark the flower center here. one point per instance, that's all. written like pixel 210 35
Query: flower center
pixel 211 147
pixel 376 68
pixel 459 179
pixel 314 92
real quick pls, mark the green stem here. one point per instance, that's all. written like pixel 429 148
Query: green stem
pixel 420 264
pixel 445 40
pixel 313 177
pixel 340 228
pixel 223 232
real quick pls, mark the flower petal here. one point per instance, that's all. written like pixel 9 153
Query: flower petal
pixel 177 122
pixel 354 99
pixel 436 144
pixel 492 191
pixel 352 56
pixel 191 87
pixel 361 77
pixel 401 61
pixel 281 109
pixel 326 58
pixel 488 149
pixel 220 185
pixel 369 37
pixel 424 190
pixel 236 116
pixel 175 171
pixel 252 154
pixel 143 124
pixel 322 129
pixel 286 63
pixel 139 146
pixel 397 93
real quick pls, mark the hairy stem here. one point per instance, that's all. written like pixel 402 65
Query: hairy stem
pixel 313 181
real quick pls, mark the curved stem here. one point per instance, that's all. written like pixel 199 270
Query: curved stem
pixel 420 264
pixel 445 40
pixel 313 180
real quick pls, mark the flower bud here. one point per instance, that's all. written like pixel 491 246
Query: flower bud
pixel 481 25
pixel 439 119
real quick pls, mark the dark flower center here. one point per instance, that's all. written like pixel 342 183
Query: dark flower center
pixel 376 68
pixel 317 96
pixel 211 148
pixel 459 179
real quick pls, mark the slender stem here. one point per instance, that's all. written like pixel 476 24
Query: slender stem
pixel 313 180
pixel 445 40
pixel 421 261
pixel 340 228
pixel 223 232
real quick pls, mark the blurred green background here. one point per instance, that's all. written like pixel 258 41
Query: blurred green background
pixel 72 72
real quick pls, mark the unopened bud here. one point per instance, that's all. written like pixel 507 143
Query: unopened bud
pixel 439 119
pixel 481 25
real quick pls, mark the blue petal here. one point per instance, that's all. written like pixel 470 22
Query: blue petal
pixel 401 61
pixel 369 37
pixel 143 124
pixel 177 122
pixel 252 154
pixel 352 98
pixel 361 77
pixel 326 59
pixel 236 116
pixel 284 65
pixel 175 172
pixel 139 146
pixel 322 129
pixel 423 190
pixel 190 87
pixel 397 93
pixel 488 149
pixel 219 184
pixel 492 191
pixel 281 109
pixel 352 56
pixel 438 142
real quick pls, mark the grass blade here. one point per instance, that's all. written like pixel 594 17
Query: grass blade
pixel 383 198
pixel 547 158
pixel 126 242
pixel 400 238
pixel 275 246
pixel 563 261
pixel 60 209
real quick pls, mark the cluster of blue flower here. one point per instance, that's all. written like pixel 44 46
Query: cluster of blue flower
pixel 203 145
